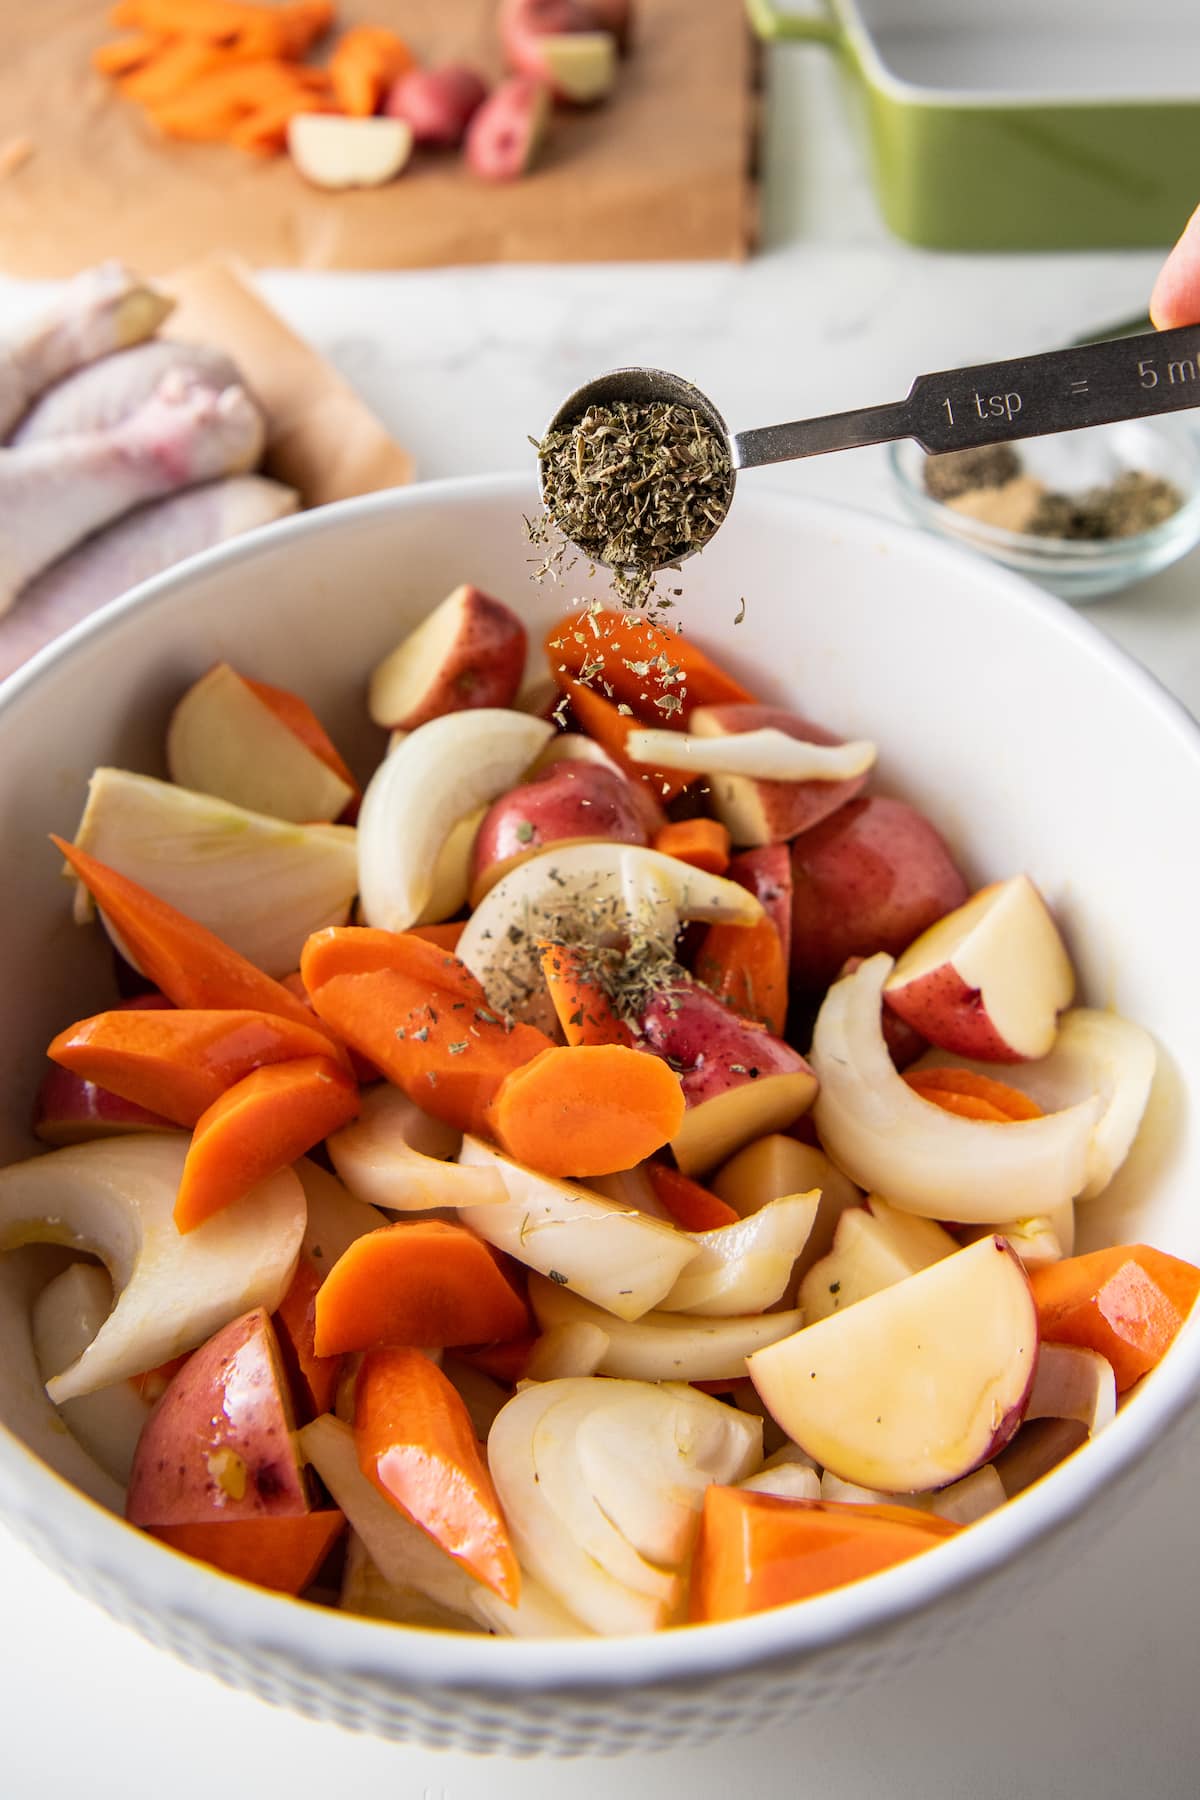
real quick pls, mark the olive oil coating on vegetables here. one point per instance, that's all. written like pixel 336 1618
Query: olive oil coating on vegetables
pixel 636 486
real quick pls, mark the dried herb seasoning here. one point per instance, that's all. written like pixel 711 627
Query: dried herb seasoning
pixel 635 485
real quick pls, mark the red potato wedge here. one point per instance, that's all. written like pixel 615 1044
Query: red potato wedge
pixel 506 133
pixel 469 651
pixel 219 1443
pixel 437 104
pixel 569 803
pixel 335 152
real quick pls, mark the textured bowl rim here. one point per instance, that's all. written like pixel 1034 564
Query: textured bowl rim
pixel 159 1578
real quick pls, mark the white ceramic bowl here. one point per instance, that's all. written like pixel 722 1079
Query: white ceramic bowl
pixel 1031 741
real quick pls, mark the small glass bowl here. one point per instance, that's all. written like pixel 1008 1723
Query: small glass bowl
pixel 1076 569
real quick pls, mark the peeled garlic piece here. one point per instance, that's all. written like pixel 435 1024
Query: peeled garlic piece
pixel 601 1484
pixel 436 776
pixel 589 892
pixel 67 1315
pixel 766 754
pixel 665 1346
pixel 622 1260
pixel 745 1267
pixel 1095 1053
pixel 261 884
pixel 395 1156
pixel 114 1199
pixel 922 1158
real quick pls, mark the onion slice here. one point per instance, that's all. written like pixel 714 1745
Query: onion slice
pixel 746 1267
pixel 665 1346
pixel 921 1158
pixel 395 1156
pixel 1073 1383
pixel 766 754
pixel 434 778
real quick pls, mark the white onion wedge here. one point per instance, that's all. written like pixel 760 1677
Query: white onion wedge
pixel 481 1396
pixel 924 1159
pixel 335 1218
pixel 763 755
pixel 664 1346
pixel 746 1267
pixel 67 1315
pixel 114 1199
pixel 262 884
pixel 452 871
pixel 622 1260
pixel 602 1483
pixel 368 1593
pixel 1095 1053
pixel 976 1495
pixel 633 1190
pixel 1046 1238
pixel 395 1156
pixel 587 892
pixel 1073 1383
pixel 789 1473
pixel 571 1349
pixel 24 1407
pixel 436 776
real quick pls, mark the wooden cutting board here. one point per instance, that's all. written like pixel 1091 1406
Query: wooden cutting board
pixel 661 170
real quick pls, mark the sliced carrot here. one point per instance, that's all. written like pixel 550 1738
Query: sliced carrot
pixel 313 1378
pixel 640 663
pixel 264 131
pixel 421 1283
pixel 175 69
pixel 745 966
pixel 690 1205
pixel 152 1384
pixel 444 937
pixel 125 54
pixel 757 1551
pixel 284 30
pixel 191 964
pixel 972 1096
pixel 178 1062
pixel 587 1109
pixel 416 1443
pixel 280 1553
pixel 704 843
pixel 304 724
pixel 1128 1302
pixel 216 103
pixel 600 719
pixel 259 1126
pixel 366 950
pixel 367 60
pixel 584 1009
pixel 445 1048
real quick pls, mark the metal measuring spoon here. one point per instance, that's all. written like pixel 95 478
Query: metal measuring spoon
pixel 954 409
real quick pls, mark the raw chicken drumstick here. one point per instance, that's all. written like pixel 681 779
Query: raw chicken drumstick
pixel 140 545
pixel 107 391
pixel 105 308
pixel 52 495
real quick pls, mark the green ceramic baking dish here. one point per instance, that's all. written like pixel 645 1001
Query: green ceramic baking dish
pixel 1030 125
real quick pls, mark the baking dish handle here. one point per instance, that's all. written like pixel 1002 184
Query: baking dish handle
pixel 772 22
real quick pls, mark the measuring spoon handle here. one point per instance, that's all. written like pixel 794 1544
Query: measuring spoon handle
pixel 1028 396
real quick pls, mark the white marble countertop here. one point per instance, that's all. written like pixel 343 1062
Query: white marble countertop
pixel 1090 1689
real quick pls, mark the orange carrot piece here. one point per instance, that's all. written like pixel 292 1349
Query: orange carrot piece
pixel 366 950
pixel 417 1445
pixel 972 1096
pixel 587 1109
pixel 584 1009
pixel 642 664
pixel 600 719
pixel 367 60
pixel 279 1553
pixel 175 70
pixel 745 966
pixel 264 131
pixel 260 1125
pixel 757 1551
pixel 152 1384
pixel 704 843
pixel 691 1206
pixel 178 1062
pixel 215 104
pixel 445 1048
pixel 444 937
pixel 191 964
pixel 313 1379
pixel 1128 1302
pixel 304 724
pixel 125 54
pixel 285 30
pixel 421 1283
